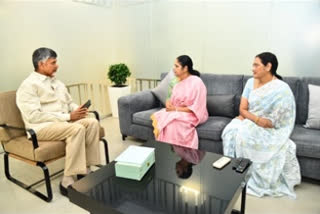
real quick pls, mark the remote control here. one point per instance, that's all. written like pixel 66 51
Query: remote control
pixel 219 164
pixel 243 165
pixel 236 163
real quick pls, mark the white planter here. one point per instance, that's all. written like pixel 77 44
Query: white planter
pixel 114 94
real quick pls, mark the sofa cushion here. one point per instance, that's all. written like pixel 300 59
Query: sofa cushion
pixel 212 129
pixel 293 83
pixel 224 84
pixel 303 98
pixel 143 117
pixel 221 105
pixel 313 120
pixel 161 91
pixel 307 140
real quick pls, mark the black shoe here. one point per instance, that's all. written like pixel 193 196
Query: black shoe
pixel 80 176
pixel 63 190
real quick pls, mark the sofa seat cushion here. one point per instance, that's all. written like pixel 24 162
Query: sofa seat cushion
pixel 307 140
pixel 47 150
pixel 143 117
pixel 212 129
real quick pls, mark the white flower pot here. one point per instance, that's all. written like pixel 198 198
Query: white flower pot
pixel 114 94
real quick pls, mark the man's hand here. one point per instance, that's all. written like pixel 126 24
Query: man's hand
pixel 78 114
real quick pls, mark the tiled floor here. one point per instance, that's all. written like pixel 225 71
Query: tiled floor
pixel 14 199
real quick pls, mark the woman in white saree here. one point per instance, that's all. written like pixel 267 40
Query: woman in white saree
pixel 261 132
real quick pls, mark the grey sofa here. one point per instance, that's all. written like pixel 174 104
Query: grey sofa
pixel 135 111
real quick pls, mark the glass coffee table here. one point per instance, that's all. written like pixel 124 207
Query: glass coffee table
pixel 181 181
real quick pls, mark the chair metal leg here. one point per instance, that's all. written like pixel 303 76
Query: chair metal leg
pixel 106 150
pixel 29 188
pixel 48 182
pixel 6 166
pixel 124 137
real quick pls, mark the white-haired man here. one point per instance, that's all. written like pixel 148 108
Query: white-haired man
pixel 47 108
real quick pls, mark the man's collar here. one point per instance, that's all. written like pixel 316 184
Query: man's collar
pixel 42 77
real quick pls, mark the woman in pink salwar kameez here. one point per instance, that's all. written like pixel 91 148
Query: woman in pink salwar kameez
pixel 186 107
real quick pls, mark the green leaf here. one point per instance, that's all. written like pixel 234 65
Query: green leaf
pixel 118 74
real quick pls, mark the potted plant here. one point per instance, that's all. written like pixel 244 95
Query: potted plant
pixel 118 74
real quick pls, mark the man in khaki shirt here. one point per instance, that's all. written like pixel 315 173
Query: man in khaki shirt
pixel 47 108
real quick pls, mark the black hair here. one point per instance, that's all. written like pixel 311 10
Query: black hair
pixel 267 57
pixel 185 60
pixel 186 174
pixel 42 54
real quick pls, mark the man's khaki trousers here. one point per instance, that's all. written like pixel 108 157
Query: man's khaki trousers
pixel 82 143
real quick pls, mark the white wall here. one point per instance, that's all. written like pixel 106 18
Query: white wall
pixel 224 36
pixel 221 36
pixel 82 35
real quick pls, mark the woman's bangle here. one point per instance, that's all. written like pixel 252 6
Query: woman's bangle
pixel 257 120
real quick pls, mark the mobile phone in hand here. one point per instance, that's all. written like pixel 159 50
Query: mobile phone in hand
pixel 87 104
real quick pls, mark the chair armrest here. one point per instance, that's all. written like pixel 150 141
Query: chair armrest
pixel 96 114
pixel 30 131
pixel 33 138
pixel 11 127
pixel 128 105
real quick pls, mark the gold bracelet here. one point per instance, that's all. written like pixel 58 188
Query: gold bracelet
pixel 257 120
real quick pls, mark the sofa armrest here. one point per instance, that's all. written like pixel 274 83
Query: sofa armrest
pixel 128 105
